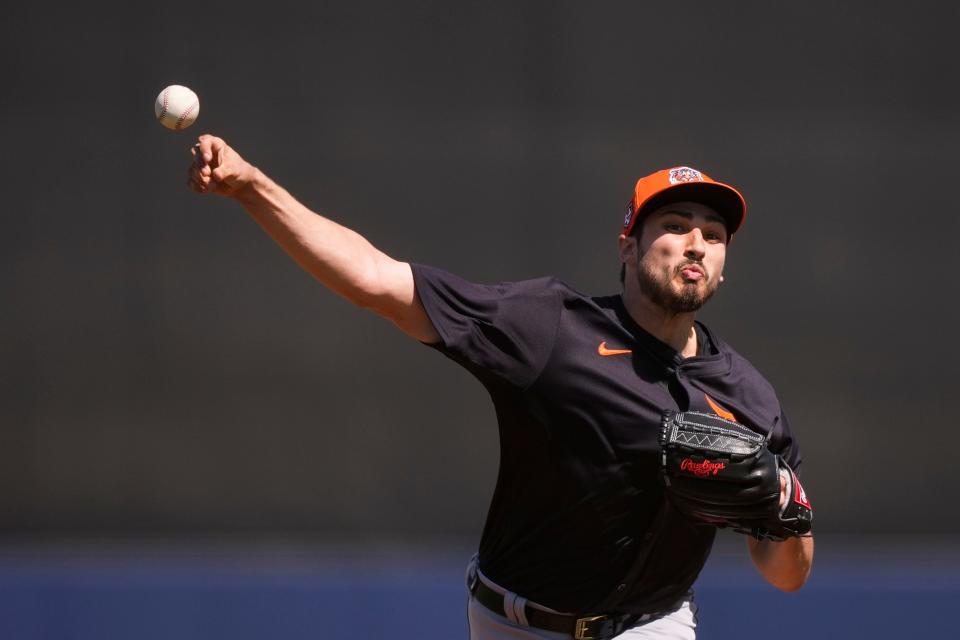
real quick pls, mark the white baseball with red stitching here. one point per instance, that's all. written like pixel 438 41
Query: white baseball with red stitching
pixel 177 107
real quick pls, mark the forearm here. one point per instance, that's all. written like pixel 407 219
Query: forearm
pixel 341 259
pixel 786 565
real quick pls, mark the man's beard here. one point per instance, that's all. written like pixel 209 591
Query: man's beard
pixel 657 287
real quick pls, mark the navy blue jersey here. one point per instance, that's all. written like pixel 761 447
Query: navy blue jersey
pixel 578 520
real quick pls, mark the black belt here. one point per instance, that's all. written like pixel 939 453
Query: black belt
pixel 586 628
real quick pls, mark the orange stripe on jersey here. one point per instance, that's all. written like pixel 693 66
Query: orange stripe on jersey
pixel 720 411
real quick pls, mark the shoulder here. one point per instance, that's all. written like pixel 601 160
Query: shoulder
pixel 507 328
pixel 543 286
pixel 427 277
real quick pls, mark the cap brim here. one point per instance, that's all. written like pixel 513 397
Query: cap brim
pixel 723 199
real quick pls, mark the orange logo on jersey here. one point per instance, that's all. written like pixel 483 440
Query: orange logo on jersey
pixel 720 411
pixel 602 350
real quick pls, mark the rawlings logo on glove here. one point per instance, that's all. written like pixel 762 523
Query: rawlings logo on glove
pixel 701 469
pixel 696 447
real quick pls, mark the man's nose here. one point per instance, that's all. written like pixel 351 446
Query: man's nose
pixel 696 245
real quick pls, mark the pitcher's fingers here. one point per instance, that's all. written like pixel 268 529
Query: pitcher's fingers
pixel 205 144
pixel 217 147
pixel 215 187
pixel 197 157
pixel 196 175
pixel 194 184
pixel 198 164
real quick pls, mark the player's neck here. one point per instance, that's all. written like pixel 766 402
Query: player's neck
pixel 674 329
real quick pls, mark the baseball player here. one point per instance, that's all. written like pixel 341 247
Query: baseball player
pixel 591 532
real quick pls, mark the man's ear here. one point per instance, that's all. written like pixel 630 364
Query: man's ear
pixel 628 249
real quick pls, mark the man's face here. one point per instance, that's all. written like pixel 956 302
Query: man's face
pixel 679 255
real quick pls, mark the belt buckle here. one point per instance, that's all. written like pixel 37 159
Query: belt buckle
pixel 583 627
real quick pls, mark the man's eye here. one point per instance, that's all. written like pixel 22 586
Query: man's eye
pixel 673 226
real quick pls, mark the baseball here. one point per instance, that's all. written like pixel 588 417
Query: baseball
pixel 177 107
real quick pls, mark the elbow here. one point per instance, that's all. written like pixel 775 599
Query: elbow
pixel 791 586
pixel 790 581
pixel 784 565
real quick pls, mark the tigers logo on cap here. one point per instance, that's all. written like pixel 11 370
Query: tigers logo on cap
pixel 627 218
pixel 685 174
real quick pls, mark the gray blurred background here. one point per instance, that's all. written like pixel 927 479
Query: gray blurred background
pixel 167 371
pixel 166 368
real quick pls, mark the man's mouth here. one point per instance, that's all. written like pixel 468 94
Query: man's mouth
pixel 692 272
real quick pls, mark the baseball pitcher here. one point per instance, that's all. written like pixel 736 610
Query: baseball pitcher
pixel 630 432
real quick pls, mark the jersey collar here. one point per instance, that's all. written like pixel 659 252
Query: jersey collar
pixel 709 360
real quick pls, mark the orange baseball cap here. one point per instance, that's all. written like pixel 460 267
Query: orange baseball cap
pixel 684 184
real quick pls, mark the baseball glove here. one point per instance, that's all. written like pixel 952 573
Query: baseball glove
pixel 719 472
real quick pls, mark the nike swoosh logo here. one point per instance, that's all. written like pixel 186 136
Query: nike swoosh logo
pixel 720 411
pixel 602 350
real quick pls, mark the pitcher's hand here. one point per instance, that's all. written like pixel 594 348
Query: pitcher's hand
pixel 217 168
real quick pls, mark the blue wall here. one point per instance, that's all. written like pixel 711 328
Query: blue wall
pixel 257 594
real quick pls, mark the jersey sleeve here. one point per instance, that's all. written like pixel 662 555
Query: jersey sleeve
pixel 507 329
